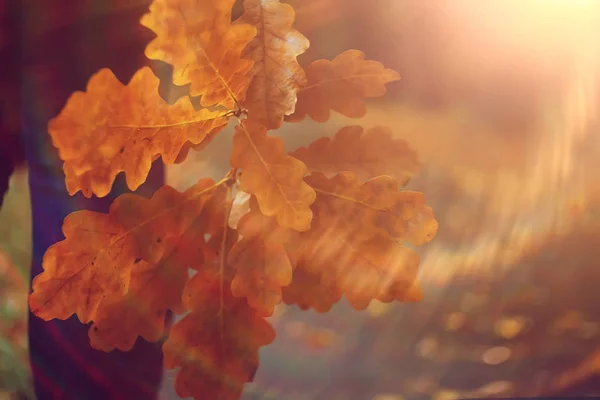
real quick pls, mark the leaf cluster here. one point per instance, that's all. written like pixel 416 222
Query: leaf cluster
pixel 303 227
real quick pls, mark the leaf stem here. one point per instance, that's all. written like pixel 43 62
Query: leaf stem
pixel 224 255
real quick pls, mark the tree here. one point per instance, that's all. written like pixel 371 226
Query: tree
pixel 303 227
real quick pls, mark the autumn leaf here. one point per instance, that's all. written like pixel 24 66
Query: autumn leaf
pixel 198 39
pixel 142 310
pixel 307 291
pixel 375 269
pixel 80 270
pixel 114 127
pixel 367 153
pixel 261 262
pixel 95 260
pixel 216 345
pixel 353 247
pixel 156 287
pixel 276 75
pixel 274 177
pixel 341 85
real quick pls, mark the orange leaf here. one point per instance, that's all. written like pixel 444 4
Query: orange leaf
pixel 197 38
pixel 354 247
pixel 216 345
pixel 307 290
pixel 276 75
pixel 376 269
pixel 80 270
pixel 95 260
pixel 261 262
pixel 368 154
pixel 340 85
pixel 275 178
pixel 155 287
pixel 114 127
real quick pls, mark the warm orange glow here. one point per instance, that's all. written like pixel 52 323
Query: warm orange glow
pixel 524 204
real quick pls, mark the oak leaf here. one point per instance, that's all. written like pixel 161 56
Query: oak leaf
pixel 276 75
pixel 198 39
pixel 274 177
pixel 261 262
pixel 114 127
pixel 308 291
pixel 216 345
pixel 341 85
pixel 156 287
pixel 367 153
pixel 352 247
pixel 95 260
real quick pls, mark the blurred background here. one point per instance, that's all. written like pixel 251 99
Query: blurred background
pixel 499 98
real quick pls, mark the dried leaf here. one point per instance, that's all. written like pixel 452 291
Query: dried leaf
pixel 155 287
pixel 341 85
pixel 216 345
pixel 261 262
pixel 96 259
pixel 93 261
pixel 307 290
pixel 351 244
pixel 198 39
pixel 368 154
pixel 276 75
pixel 275 178
pixel 114 127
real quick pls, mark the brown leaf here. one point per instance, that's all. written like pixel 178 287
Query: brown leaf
pixel 341 85
pixel 216 345
pixel 276 75
pixel 95 260
pixel 197 38
pixel 114 127
pixel 367 153
pixel 275 178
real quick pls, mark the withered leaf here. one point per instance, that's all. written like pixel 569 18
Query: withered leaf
pixel 367 153
pixel 276 75
pixel 95 260
pixel 114 127
pixel 341 85
pixel 216 345
pixel 274 177
pixel 198 39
